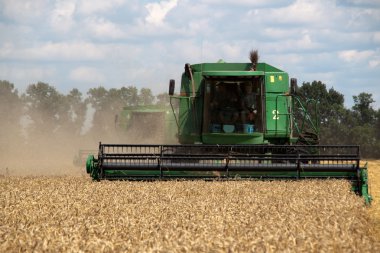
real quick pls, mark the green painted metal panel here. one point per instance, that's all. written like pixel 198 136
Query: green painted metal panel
pixel 189 120
pixel 202 67
pixel 185 85
pixel 277 82
pixel 190 109
pixel 277 117
pixel 226 138
pixel 233 73
pixel 170 128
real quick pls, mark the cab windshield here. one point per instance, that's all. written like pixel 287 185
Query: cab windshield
pixel 233 105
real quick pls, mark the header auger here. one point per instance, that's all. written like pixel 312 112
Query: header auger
pixel 236 120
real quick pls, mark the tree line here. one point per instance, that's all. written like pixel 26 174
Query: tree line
pixel 43 111
pixel 359 125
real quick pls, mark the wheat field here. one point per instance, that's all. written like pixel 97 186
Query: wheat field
pixel 374 188
pixel 74 214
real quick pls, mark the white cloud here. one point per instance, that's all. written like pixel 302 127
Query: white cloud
pixel 374 63
pixel 158 11
pixel 283 60
pixel 188 49
pixel 232 51
pixel 24 74
pixel 303 12
pixel 360 2
pixel 24 11
pixel 62 16
pixel 87 74
pixel 145 43
pixel 293 42
pixel 355 55
pixel 102 28
pixel 376 37
pixel 73 51
pixel 255 3
pixel 279 33
pixel 98 6
pixel 7 50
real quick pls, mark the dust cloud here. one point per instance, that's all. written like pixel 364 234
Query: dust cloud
pixel 64 152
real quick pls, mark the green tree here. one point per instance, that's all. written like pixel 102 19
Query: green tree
pixel 146 97
pixel 163 99
pixel 97 97
pixel 10 115
pixel 10 103
pixel 131 95
pixel 364 128
pixel 377 135
pixel 46 107
pixel 108 105
pixel 363 108
pixel 331 102
pixel 76 114
pixel 331 111
pixel 115 100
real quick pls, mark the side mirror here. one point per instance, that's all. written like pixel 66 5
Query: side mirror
pixel 293 86
pixel 171 87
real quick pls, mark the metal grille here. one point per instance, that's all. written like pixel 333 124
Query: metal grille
pixel 229 158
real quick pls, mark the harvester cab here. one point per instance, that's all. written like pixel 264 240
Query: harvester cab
pixel 148 124
pixel 229 103
pixel 236 120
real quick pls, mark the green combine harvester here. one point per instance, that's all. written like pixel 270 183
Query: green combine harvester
pixel 236 120
pixel 129 123
pixel 149 123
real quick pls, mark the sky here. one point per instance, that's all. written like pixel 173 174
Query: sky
pixel 143 43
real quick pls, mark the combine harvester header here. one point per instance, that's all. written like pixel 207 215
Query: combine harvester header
pixel 236 120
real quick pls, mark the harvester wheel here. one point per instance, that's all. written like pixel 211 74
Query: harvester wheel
pixel 90 164
pixel 92 167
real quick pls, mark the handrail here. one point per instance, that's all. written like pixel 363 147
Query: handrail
pixel 306 115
